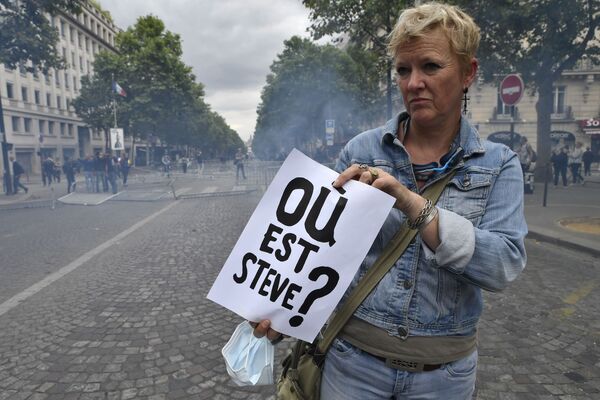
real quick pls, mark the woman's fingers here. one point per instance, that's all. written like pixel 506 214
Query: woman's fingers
pixel 356 172
pixel 263 328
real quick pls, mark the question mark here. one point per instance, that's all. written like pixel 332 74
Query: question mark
pixel 332 280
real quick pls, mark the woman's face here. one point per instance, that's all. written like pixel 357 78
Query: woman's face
pixel 432 79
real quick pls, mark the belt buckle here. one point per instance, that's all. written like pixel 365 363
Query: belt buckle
pixel 408 366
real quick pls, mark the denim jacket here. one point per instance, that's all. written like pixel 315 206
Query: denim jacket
pixel 481 228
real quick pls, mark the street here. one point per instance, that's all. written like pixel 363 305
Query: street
pixel 128 317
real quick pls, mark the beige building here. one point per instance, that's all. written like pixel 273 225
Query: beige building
pixel 38 116
pixel 575 117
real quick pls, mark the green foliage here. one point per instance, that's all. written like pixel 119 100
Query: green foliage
pixel 366 24
pixel 539 40
pixel 26 33
pixel 307 85
pixel 163 98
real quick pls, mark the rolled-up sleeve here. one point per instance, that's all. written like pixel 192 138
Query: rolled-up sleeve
pixel 492 254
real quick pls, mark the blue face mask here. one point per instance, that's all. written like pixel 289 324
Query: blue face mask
pixel 447 162
pixel 249 360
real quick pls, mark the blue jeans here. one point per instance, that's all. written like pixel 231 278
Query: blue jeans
pixel 351 374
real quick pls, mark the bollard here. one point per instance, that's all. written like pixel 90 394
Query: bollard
pixel 53 204
pixel 172 184
pixel 546 178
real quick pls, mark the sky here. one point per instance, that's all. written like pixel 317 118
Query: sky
pixel 230 45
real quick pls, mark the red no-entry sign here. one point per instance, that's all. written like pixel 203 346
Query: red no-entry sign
pixel 511 89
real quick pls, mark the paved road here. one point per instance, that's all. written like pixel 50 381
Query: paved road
pixel 132 321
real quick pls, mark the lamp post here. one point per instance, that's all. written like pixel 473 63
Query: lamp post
pixel 5 145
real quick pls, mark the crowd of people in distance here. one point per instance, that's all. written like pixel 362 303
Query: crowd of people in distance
pixel 567 161
pixel 100 171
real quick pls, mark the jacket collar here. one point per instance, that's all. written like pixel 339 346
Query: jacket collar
pixel 469 139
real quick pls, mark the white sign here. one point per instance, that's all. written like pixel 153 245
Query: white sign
pixel 116 139
pixel 301 248
pixel 329 139
pixel 329 125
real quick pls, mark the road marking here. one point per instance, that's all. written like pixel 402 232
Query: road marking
pixel 53 277
pixel 573 298
pixel 580 293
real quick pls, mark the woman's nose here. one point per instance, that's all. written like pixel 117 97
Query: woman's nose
pixel 415 81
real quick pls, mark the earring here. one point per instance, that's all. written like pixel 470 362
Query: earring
pixel 465 101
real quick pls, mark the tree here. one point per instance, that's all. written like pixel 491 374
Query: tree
pixel 163 98
pixel 26 34
pixel 366 23
pixel 307 85
pixel 538 39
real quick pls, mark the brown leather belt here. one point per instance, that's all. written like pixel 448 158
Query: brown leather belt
pixel 408 366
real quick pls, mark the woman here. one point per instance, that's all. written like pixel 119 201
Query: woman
pixel 414 336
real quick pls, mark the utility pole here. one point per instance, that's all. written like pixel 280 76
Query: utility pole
pixel 5 145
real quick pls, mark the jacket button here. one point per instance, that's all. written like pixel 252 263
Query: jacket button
pixel 407 284
pixel 402 331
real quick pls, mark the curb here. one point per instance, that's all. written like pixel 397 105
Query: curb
pixel 563 243
pixel 28 204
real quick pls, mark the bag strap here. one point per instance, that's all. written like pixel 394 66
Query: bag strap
pixel 384 263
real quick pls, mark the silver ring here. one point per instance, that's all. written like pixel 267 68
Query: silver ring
pixel 363 167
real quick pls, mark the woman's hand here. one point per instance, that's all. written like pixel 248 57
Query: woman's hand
pixel 263 328
pixel 407 201
pixel 381 180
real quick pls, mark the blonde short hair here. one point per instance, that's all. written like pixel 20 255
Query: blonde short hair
pixel 460 29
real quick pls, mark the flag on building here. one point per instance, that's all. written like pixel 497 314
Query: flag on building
pixel 119 90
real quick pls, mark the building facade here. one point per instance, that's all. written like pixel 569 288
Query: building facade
pixel 575 114
pixel 38 116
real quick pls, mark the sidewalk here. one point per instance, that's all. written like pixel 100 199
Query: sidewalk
pixel 575 204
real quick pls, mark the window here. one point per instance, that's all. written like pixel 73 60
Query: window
pixel 16 124
pixel 62 129
pixel 93 47
pixel 68 103
pixel 81 63
pixel 27 124
pixel 70 130
pixel 36 96
pixel 48 100
pixel 87 64
pixel 74 83
pixel 24 94
pixel 57 78
pixel 73 64
pixel 67 80
pixel 47 77
pixel 42 125
pixel 64 53
pixel 72 34
pixel 504 111
pixel 62 28
pixel 58 102
pixel 9 90
pixel 87 43
pixel 50 127
pixel 80 39
pixel 85 20
pixel 558 104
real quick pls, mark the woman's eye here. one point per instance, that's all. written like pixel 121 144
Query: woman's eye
pixel 431 67
pixel 402 71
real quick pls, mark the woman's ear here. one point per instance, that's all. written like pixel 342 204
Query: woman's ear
pixel 471 72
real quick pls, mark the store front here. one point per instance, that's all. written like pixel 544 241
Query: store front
pixel 510 139
pixel 560 139
pixel 591 127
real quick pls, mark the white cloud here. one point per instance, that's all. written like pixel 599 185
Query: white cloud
pixel 229 43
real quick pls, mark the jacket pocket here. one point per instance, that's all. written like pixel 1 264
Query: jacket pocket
pixel 467 193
